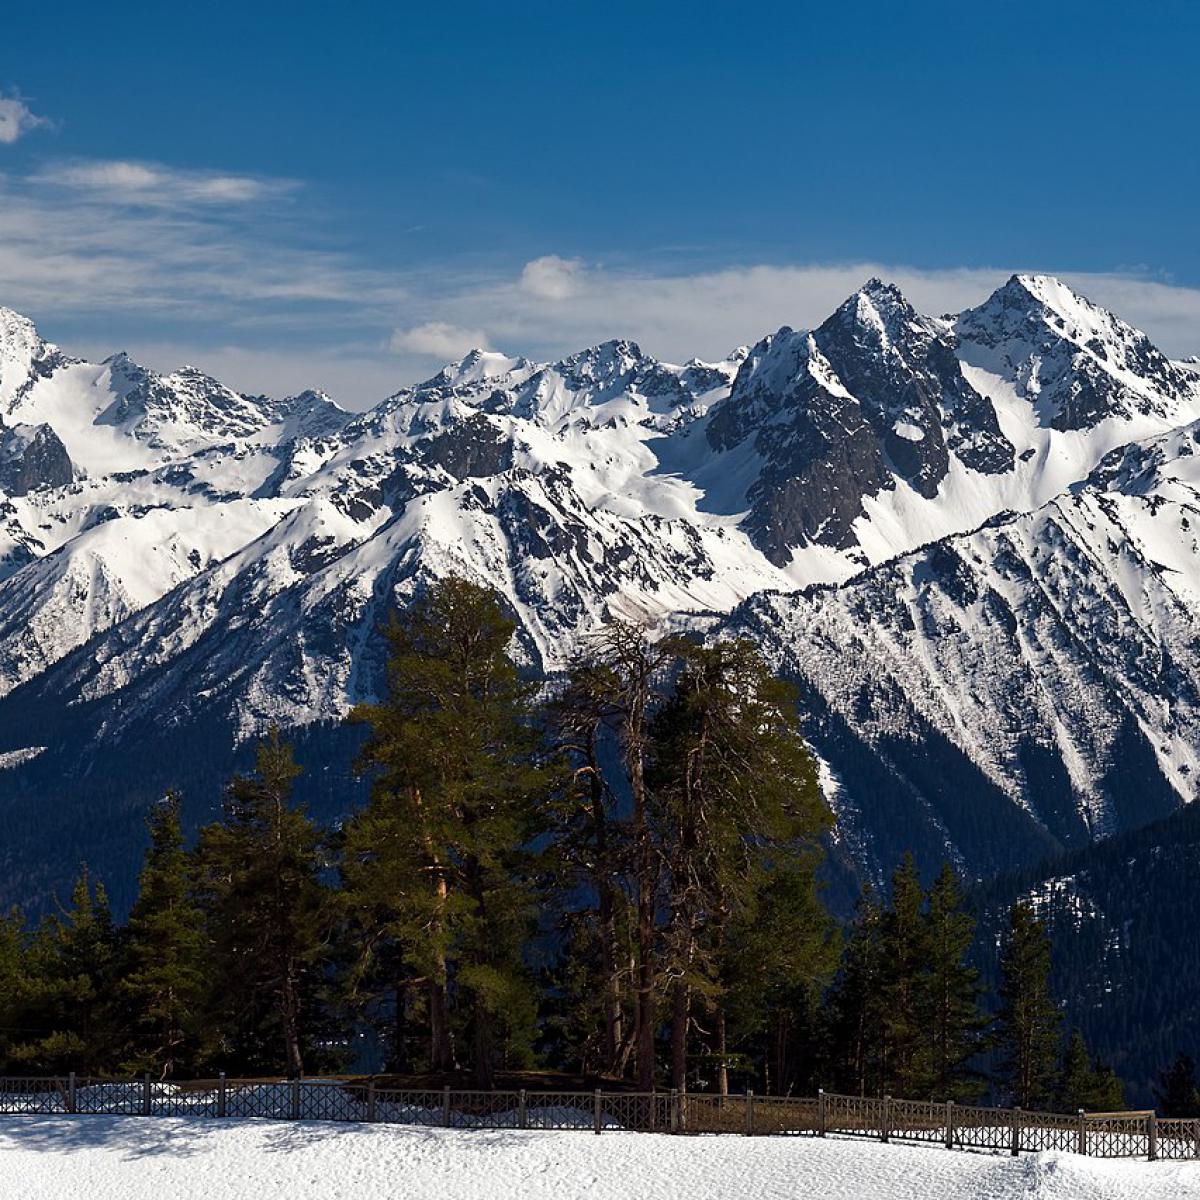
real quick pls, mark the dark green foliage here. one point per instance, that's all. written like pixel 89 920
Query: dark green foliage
pixel 163 980
pixel 733 799
pixel 1086 1084
pixel 67 1018
pixel 1029 1018
pixel 953 1018
pixel 856 1004
pixel 267 915
pixel 906 1016
pixel 905 949
pixel 1126 943
pixel 439 857
pixel 1177 1094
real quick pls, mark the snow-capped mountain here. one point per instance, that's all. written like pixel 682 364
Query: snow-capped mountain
pixel 929 521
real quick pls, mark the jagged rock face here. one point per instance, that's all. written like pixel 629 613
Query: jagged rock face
pixel 32 458
pixel 819 452
pixel 875 398
pixel 1078 364
pixel 181 561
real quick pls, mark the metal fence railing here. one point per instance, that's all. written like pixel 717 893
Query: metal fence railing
pixel 960 1126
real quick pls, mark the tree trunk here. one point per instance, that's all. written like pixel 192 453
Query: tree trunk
pixel 645 936
pixel 439 1033
pixel 680 1006
pixel 485 1078
pixel 290 1016
pixel 722 1050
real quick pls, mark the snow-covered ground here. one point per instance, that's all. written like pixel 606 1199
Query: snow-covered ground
pixel 98 1158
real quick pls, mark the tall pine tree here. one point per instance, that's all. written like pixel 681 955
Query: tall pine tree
pixel 268 915
pixel 1029 1018
pixel 734 796
pixel 954 1020
pixel 164 976
pixel 457 798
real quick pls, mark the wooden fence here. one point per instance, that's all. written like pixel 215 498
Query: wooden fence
pixel 956 1126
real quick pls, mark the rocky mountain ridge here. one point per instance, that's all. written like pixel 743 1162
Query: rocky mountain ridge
pixel 971 534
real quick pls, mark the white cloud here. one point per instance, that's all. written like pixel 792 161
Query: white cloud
pixel 438 339
pixel 131 254
pixel 708 313
pixel 551 277
pixel 156 184
pixel 16 119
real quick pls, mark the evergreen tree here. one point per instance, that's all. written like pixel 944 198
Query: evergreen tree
pixel 734 796
pixel 1087 1084
pixel 14 984
pixel 1177 1093
pixel 625 675
pixel 163 981
pixel 267 913
pixel 456 800
pixel 70 972
pixel 1029 1018
pixel 856 1004
pixel 591 852
pixel 905 948
pixel 778 958
pixel 954 1021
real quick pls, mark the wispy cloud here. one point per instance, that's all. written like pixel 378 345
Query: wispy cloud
pixel 554 304
pixel 131 182
pixel 231 271
pixel 17 119
pixel 438 339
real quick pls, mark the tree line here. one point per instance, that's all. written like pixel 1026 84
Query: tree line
pixel 614 876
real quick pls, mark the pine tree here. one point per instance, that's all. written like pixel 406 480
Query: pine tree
pixel 778 958
pixel 591 851
pixel 70 976
pixel 456 800
pixel 267 913
pixel 734 795
pixel 856 1003
pixel 1087 1084
pixel 906 1068
pixel 1029 1018
pixel 163 982
pixel 953 1019
pixel 14 984
pixel 1177 1093
pixel 627 672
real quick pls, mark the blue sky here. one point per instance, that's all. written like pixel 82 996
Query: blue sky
pixel 346 195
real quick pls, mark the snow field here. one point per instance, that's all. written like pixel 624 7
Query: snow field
pixel 106 1158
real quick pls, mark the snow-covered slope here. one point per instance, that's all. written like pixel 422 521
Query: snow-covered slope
pixel 130 1158
pixel 174 554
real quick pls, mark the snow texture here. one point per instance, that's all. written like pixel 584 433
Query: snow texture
pixel 123 1158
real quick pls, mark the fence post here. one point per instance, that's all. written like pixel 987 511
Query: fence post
pixel 295 1100
pixel 371 1100
pixel 146 1094
pixel 1082 1148
pixel 446 1105
pixel 821 1113
pixel 949 1124
pixel 885 1120
pixel 596 1111
pixel 522 1111
pixel 1152 1136
pixel 1016 1131
pixel 1196 1138
pixel 72 1094
pixel 749 1112
pixel 221 1106
pixel 673 1112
